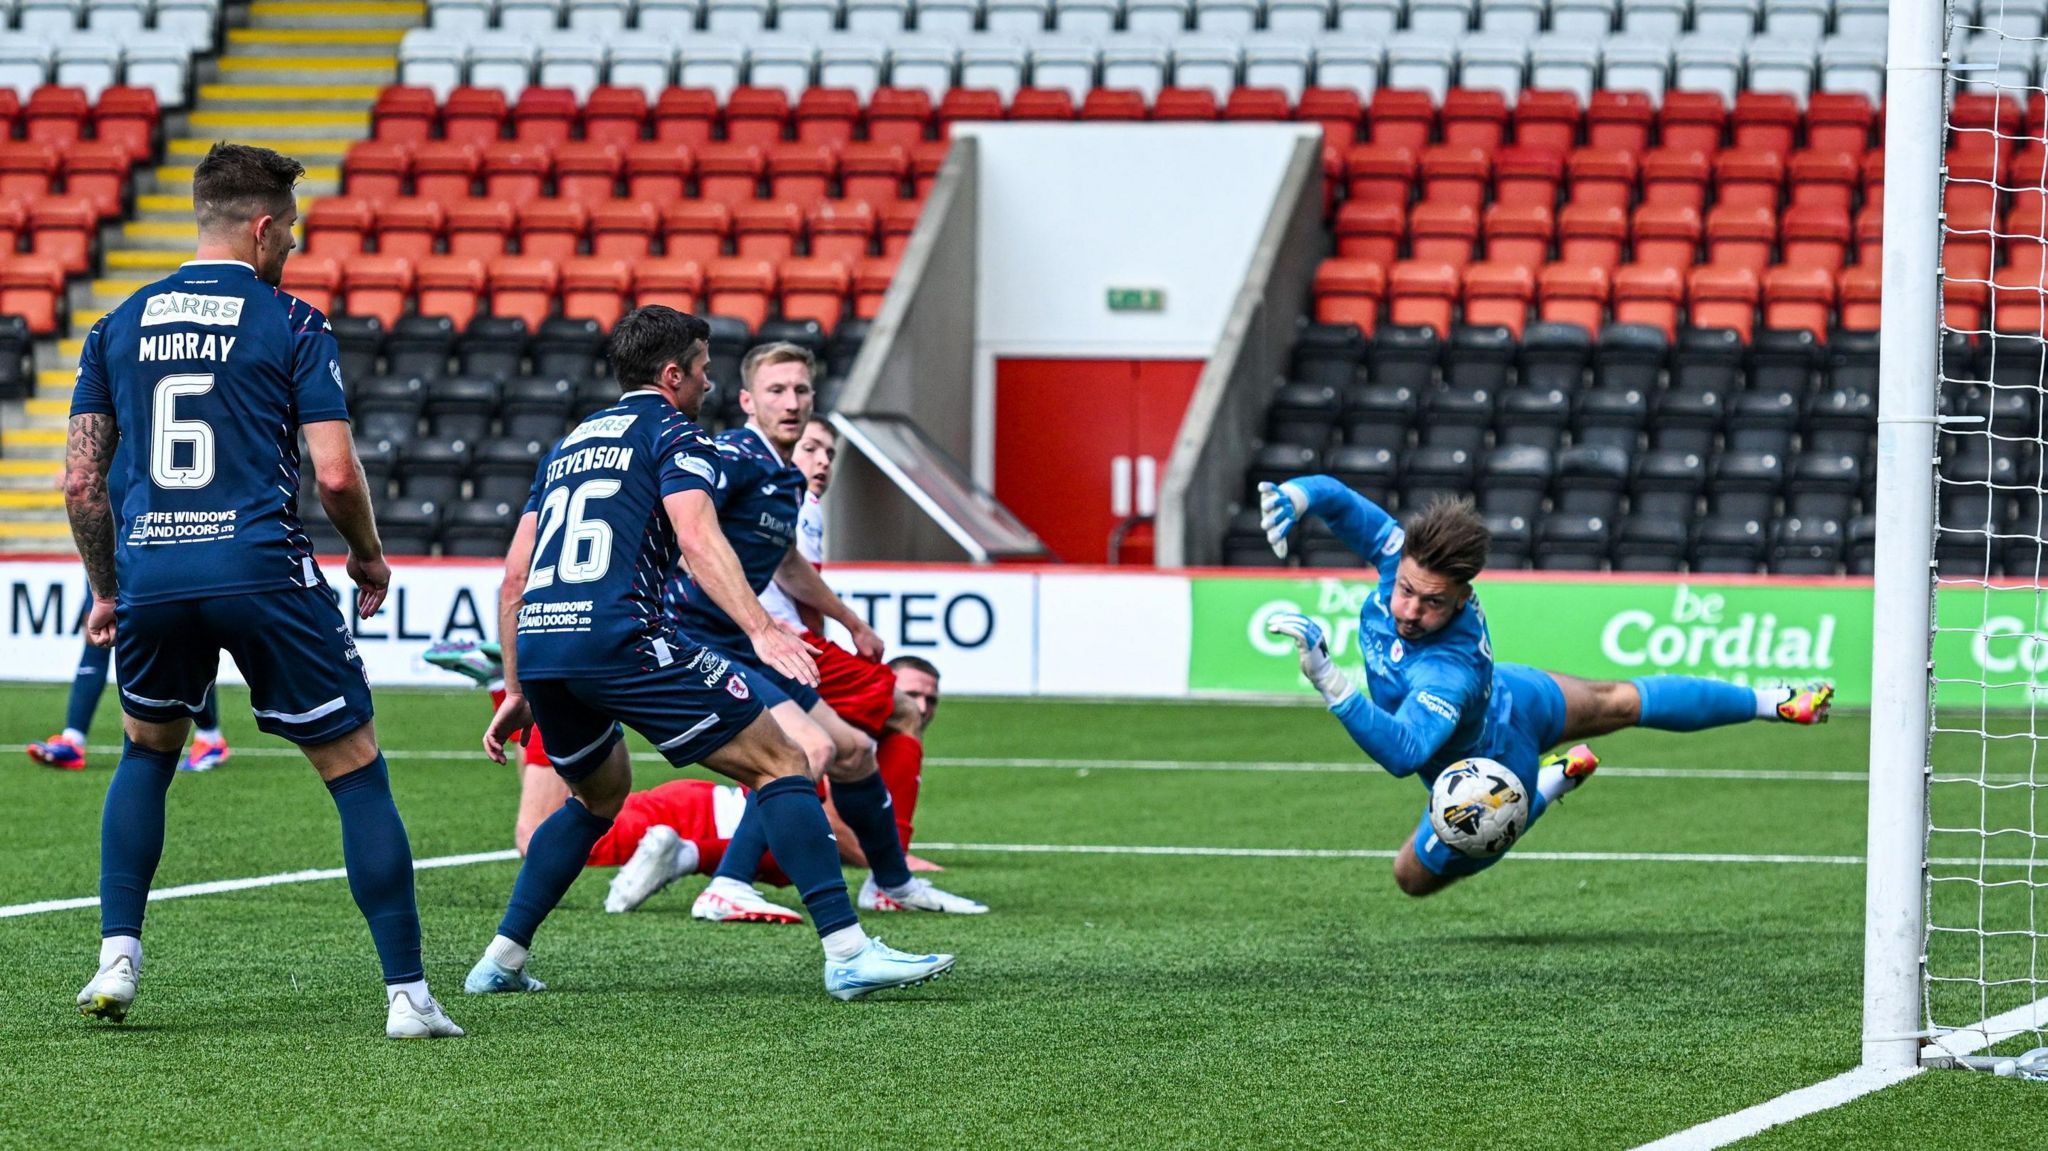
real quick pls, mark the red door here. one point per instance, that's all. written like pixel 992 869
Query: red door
pixel 1081 445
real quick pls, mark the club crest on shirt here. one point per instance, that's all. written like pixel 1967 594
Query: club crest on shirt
pixel 738 688
pixel 1397 652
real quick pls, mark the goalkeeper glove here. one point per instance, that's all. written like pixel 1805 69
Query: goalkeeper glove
pixel 1315 656
pixel 1280 507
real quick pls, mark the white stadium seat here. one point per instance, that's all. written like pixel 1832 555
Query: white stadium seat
pixel 1706 63
pixel 1446 19
pixel 433 58
pixel 116 17
pixel 1017 17
pixel 1786 66
pixel 462 15
pixel 1512 17
pixel 806 17
pixel 1164 19
pixel 1853 64
pixel 1135 62
pixel 573 60
pixel 671 18
pixel 1344 61
pixel 1226 17
pixel 1303 17
pixel 1796 19
pixel 1637 64
pixel 600 16
pixel 736 17
pixel 1664 19
pixel 1376 18
pixel 778 63
pixel 1278 61
pixel 1566 61
pixel 1495 62
pixel 877 17
pixel 1733 18
pixel 1095 18
pixel 93 64
pixel 711 62
pixel 49 19
pixel 927 64
pixel 994 63
pixel 643 60
pixel 24 63
pixel 947 17
pixel 1212 64
pixel 1863 19
pixel 846 62
pixel 502 60
pixel 537 19
pixel 161 62
pixel 1582 18
pixel 196 22
pixel 1421 61
pixel 1066 64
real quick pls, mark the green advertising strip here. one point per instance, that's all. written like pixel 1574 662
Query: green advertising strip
pixel 1752 633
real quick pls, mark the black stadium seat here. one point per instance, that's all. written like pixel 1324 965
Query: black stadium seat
pixel 1320 547
pixel 1244 542
pixel 17 374
pixel 1687 420
pixel 462 407
pixel 1278 463
pixel 1303 414
pixel 419 346
pixel 729 342
pixel 1455 417
pixel 1479 357
pixel 1823 486
pixel 1807 547
pixel 479 527
pixel 1371 472
pixel 1406 355
pixel 1745 485
pixel 409 525
pixel 1556 356
pixel 1328 354
pixel 1789 359
pixel 492 346
pixel 1380 415
pixel 1852 361
pixel 1510 542
pixel 1842 420
pixel 1591 479
pixel 1514 481
pixel 847 340
pixel 593 394
pixel 1570 541
pixel 1709 359
pixel 566 349
pixel 1429 474
pixel 1726 545
pixel 361 341
pixel 536 408
pixel 1630 356
pixel 431 468
pixel 388 408
pixel 1650 543
pixel 1536 417
pixel 1613 416
pixel 379 459
pixel 1668 485
pixel 1762 420
pixel 1862 555
pixel 502 469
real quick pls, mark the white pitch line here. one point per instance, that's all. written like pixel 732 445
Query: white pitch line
pixel 219 886
pixel 1822 1096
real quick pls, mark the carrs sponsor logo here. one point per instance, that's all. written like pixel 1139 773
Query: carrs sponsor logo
pixel 599 428
pixel 191 308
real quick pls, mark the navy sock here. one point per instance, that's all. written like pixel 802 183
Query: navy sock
pixel 554 858
pixel 864 805
pixel 132 836
pixel 743 852
pixel 793 820
pixel 1689 703
pixel 378 856
pixel 209 713
pixel 87 686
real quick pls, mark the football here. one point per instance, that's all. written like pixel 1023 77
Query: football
pixel 1478 807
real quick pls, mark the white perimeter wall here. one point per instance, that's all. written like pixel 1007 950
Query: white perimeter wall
pixel 1067 211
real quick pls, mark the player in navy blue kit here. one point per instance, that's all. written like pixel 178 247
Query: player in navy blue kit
pixel 759 492
pixel 1434 693
pixel 615 506
pixel 182 484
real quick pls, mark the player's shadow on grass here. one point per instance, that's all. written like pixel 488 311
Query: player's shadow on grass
pixel 1638 938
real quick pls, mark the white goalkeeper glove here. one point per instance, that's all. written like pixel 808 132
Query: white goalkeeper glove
pixel 1315 655
pixel 1280 507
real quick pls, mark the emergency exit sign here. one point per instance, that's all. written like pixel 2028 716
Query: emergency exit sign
pixel 1137 300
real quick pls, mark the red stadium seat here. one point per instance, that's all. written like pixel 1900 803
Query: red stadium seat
pixel 842 230
pixel 1338 110
pixel 687 116
pixel 1984 125
pixel 1371 230
pixel 729 174
pixel 1869 235
pixel 757 116
pixel 1453 174
pixel 1649 295
pixel 1692 122
pixel 1179 105
pixel 1739 237
pixel 443 171
pixel 1548 120
pixel 1114 104
pixel 1873 177
pixel 1861 290
pixel 1620 121
pixel 899 116
pixel 544 116
pixel 1402 119
pixel 127 118
pixel 767 229
pixel 28 170
pixel 588 172
pixel 960 104
pixel 449 286
pixel 314 279
pixel 374 170
pixel 677 283
pixel 1665 236
pixel 98 171
pixel 1042 105
pixel 32 287
pixel 1474 118
pixel 1573 294
pixel 658 171
pixel 595 288
pixel 56 115
pixel 10 113
pixel 742 289
pixel 409 228
pixel 1814 237
pixel 1963 303
pixel 801 173
pixel 62 229
pixel 1519 236
pixel 696 230
pixel 1442 233
pixel 871 279
pixel 615 116
pixel 376 286
pixel 474 116
pixel 815 289
pixel 1675 176
pixel 2027 177
pixel 1349 292
pixel 339 226
pixel 1724 298
pixel 480 228
pixel 13 226
pixel 925 161
pixel 1968 257
pixel 1823 179
pixel 1591 237
pixel 1262 104
pixel 873 173
pixel 1839 122
pixel 1766 122
pixel 1380 174
pixel 1602 178
pixel 899 220
pixel 516 171
pixel 1422 293
pixel 1524 176
pixel 404 115
pixel 1747 179
pixel 827 116
pixel 1969 197
pixel 624 229
pixel 2016 296
pixel 1799 298
pixel 552 229
pixel 523 286
pixel 1499 295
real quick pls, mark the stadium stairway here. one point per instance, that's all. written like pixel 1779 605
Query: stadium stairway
pixel 298 77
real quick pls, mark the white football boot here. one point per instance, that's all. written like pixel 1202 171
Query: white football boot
pixel 725 901
pixel 111 991
pixel 425 1021
pixel 878 967
pixel 654 865
pixel 921 896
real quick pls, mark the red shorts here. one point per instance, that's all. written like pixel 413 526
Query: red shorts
pixel 683 804
pixel 861 691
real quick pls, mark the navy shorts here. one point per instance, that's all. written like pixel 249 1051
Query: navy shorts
pixel 687 710
pixel 1535 725
pixel 306 680
pixel 774 686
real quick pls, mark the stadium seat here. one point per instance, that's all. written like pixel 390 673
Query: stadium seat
pixel 1723 297
pixel 1457 417
pixel 1380 173
pixel 479 228
pixel 314 279
pixel 1278 463
pixel 1824 485
pixel 1799 297
pixel 1475 116
pixel 28 169
pixel 515 171
pixel 1372 472
pixel 1555 356
pixel 766 229
pixel 1479 356
pixel 1443 232
pixel 443 170
pixel 587 172
pixel 1572 294
pixel 1728 546
pixel 801 174
pixel 1380 416
pixel 408 227
pixel 360 340
pixel 1675 176
pixel 623 229
pixel 534 411
pixel 474 116
pixel 657 171
pixel 1527 177
pixel 1686 420
pixel 522 286
pixel 1432 473
pixel 740 288
pixel 404 114
pixel 374 170
pixel 1303 413
pixel 1537 417
pixel 1518 237
pixel 1631 356
pixel 1709 358
pixel 614 116
pixel 1499 294
pixel 1805 546
pixel 1571 541
pixel 1763 420
pixel 729 174
pixel 814 289
pixel 675 281
pixel 595 288
pixel 1514 481
pixel 430 468
pixel 461 407
pixel 1422 293
pixel 871 279
pixel 1841 421
pixel 1328 354
pixel 842 230
pixel 696 229
pixel 338 226
pixel 449 286
pixel 63 228
pixel 1591 237
pixel 1406 356
pixel 552 229
pixel 567 347
pixel 1453 175
pixel 686 116
pixel 899 221
pixel 1591 480
pixel 17 369
pixel 1665 236
pixel 32 287
pixel 546 116
pixel 127 118
pixel 1815 237
pixel 1741 237
pixel 1668 485
pixel 1746 485
pixel 387 409
pixel 1646 543
pixel 1650 296
pixel 1349 292
pixel 1339 112
pixel 479 527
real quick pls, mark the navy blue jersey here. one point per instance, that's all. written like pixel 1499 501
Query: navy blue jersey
pixel 208 374
pixel 758 496
pixel 604 548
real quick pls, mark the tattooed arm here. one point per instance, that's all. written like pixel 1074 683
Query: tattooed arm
pixel 89 452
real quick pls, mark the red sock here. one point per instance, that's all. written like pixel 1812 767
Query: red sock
pixel 901 759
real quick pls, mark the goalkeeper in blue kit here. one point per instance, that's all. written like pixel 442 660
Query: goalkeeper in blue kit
pixel 1433 693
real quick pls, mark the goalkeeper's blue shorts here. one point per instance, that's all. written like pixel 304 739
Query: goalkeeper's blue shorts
pixel 1535 725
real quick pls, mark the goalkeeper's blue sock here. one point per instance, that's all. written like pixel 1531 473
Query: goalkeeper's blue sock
pixel 132 835
pixel 378 856
pixel 743 852
pixel 864 805
pixel 554 858
pixel 1690 703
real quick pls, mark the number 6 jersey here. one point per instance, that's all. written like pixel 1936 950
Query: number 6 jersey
pixel 208 374
pixel 603 546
